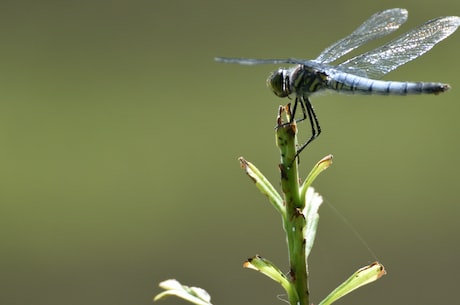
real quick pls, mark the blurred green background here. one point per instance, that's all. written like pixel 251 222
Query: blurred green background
pixel 119 139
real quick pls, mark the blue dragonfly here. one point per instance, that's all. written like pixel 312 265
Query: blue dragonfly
pixel 359 74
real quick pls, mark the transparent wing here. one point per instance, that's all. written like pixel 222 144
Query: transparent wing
pixel 254 61
pixel 403 49
pixel 378 25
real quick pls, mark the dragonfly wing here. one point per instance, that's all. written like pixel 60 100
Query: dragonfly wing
pixel 403 49
pixel 253 61
pixel 378 25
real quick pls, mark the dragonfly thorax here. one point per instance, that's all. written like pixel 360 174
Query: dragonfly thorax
pixel 278 82
pixel 300 80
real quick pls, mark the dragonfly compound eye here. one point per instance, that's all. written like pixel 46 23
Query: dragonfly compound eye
pixel 278 83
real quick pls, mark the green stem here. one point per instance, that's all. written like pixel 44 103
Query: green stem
pixel 294 221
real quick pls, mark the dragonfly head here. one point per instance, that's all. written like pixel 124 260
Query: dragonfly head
pixel 278 82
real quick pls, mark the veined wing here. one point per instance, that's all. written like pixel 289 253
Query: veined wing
pixel 403 49
pixel 378 25
pixel 254 61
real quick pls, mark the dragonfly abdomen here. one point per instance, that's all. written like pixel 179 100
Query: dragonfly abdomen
pixel 348 83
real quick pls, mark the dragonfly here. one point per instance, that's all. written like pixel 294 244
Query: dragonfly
pixel 360 74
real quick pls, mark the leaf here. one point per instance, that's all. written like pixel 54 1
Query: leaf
pixel 266 267
pixel 263 185
pixel 360 278
pixel 194 295
pixel 313 201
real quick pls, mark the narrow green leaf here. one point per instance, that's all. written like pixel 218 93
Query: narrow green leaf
pixel 267 268
pixel 323 164
pixel 360 278
pixel 263 185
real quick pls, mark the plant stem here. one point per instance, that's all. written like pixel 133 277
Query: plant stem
pixel 294 221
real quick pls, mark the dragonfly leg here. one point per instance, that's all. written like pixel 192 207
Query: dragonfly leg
pixel 309 112
pixel 298 100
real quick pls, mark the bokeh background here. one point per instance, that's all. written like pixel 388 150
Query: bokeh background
pixel 119 139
